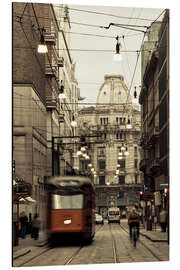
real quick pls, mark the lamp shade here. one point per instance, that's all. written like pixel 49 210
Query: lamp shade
pixel 117 57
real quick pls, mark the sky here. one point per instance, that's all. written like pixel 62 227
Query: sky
pixel 91 66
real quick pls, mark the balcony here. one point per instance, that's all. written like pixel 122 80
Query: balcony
pixel 61 118
pixel 154 134
pixel 51 103
pixel 51 71
pixel 143 164
pixel 60 62
pixel 143 139
pixel 155 165
pixel 50 38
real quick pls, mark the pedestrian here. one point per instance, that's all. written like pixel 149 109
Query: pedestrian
pixel 23 221
pixel 29 224
pixel 36 224
pixel 163 220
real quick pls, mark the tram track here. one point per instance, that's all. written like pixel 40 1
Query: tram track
pixel 114 247
pixel 67 261
pixel 78 250
pixel 144 245
pixel 34 257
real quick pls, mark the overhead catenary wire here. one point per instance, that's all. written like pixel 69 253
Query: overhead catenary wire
pixel 92 50
pixel 103 13
pixel 122 51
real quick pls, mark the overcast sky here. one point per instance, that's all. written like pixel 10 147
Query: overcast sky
pixel 91 66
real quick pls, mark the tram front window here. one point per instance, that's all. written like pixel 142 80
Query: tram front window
pixel 67 202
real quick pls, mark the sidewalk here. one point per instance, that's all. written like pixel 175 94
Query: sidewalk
pixel 155 235
pixel 26 245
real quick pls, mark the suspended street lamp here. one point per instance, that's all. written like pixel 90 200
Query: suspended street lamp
pixel 73 123
pixel 135 93
pixel 123 147
pixel 117 56
pixel 79 153
pixel 128 124
pixel 126 152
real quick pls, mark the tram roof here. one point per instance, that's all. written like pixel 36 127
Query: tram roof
pixel 75 180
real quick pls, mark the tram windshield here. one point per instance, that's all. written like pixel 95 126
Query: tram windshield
pixel 67 202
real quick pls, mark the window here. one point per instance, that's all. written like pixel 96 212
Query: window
pixel 163 112
pixel 135 163
pixel 122 120
pixel 164 143
pixel 136 179
pixel 101 151
pixel 84 165
pixel 120 136
pixel 67 202
pixel 121 194
pixel 135 151
pixel 104 121
pixel 103 136
pixel 101 180
pixel 122 163
pixel 102 164
pixel 162 81
pixel 121 179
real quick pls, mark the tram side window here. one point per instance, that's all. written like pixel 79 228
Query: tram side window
pixel 67 202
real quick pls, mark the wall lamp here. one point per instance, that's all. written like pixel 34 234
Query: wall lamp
pixel 42 47
pixel 61 91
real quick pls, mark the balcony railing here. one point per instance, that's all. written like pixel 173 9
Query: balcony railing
pixel 143 164
pixel 51 103
pixel 155 165
pixel 50 38
pixel 51 71
pixel 154 134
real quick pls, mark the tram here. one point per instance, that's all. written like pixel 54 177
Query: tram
pixel 70 208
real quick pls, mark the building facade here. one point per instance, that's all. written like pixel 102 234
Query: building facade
pixel 39 116
pixel 154 99
pixel 116 173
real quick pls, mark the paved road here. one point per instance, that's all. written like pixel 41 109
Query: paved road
pixel 111 245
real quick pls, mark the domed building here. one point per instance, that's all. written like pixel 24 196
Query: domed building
pixel 112 132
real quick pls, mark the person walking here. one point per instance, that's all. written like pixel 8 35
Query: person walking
pixel 23 221
pixel 163 220
pixel 36 224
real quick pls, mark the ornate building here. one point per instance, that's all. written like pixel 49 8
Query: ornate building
pixel 114 152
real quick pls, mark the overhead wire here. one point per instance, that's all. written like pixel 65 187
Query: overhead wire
pixel 93 50
pixel 136 51
pixel 79 33
pixel 103 13
pixel 138 54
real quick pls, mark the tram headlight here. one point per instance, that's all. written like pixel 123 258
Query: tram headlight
pixel 67 221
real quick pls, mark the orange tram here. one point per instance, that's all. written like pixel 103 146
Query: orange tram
pixel 70 208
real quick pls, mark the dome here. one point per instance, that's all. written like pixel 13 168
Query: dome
pixel 113 91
